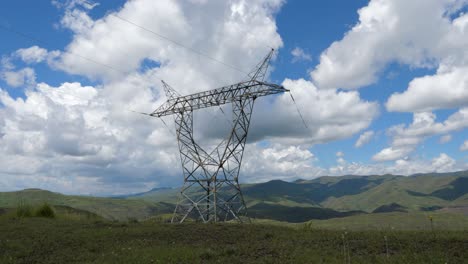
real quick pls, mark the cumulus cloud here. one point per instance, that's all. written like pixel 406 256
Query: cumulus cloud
pixel 279 162
pixel 300 55
pixel 364 138
pixel 293 162
pixel 253 23
pixel 445 90
pixel 74 135
pixel 406 138
pixel 404 166
pixel 329 114
pixel 23 77
pixel 392 153
pixel 32 54
pixel 214 34
pixel 464 146
pixel 82 138
pixel 417 33
pixel 443 163
pixel 420 34
pixel 86 133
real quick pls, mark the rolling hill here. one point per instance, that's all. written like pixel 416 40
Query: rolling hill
pixel 299 201
pixel 420 192
pixel 110 208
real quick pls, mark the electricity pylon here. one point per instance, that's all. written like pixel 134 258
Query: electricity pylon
pixel 211 190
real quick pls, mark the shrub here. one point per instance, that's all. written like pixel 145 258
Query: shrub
pixel 23 210
pixel 45 210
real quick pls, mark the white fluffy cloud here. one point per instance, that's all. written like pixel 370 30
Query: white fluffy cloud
pixel 464 146
pixel 407 138
pixel 87 134
pixel 364 138
pixel 443 163
pixel 23 77
pixel 445 90
pixel 73 134
pixel 32 54
pixel 293 162
pixel 330 115
pixel 417 33
pixel 405 166
pixel 211 27
pixel 279 162
pixel 431 34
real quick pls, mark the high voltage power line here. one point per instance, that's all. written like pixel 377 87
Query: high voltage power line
pixel 45 43
pixel 179 44
pixel 26 36
pixel 35 39
pixel 161 36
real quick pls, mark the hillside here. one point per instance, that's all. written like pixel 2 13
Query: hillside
pixel 299 201
pixel 420 192
pixel 110 208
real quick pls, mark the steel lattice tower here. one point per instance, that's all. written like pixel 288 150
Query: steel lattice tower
pixel 211 190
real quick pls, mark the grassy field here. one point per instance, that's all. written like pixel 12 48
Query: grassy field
pixel 396 221
pixel 75 240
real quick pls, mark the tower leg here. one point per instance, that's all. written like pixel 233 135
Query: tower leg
pixel 211 190
pixel 233 204
pixel 194 202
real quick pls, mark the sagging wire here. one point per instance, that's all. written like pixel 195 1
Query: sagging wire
pixel 178 43
pixel 298 111
pixel 149 115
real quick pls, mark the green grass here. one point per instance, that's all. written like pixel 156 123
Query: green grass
pixel 395 221
pixel 43 240
pixel 24 210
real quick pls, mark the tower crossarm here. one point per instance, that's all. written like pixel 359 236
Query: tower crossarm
pixel 244 90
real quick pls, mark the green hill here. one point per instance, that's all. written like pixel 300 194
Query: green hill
pixel 299 201
pixel 110 208
pixel 352 193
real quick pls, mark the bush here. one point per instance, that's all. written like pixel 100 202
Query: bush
pixel 23 210
pixel 45 210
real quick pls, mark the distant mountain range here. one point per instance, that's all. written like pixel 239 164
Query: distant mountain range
pixel 299 201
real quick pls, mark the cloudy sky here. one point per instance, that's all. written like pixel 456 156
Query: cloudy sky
pixel 382 86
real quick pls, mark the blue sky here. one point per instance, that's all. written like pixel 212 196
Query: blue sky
pixel 386 73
